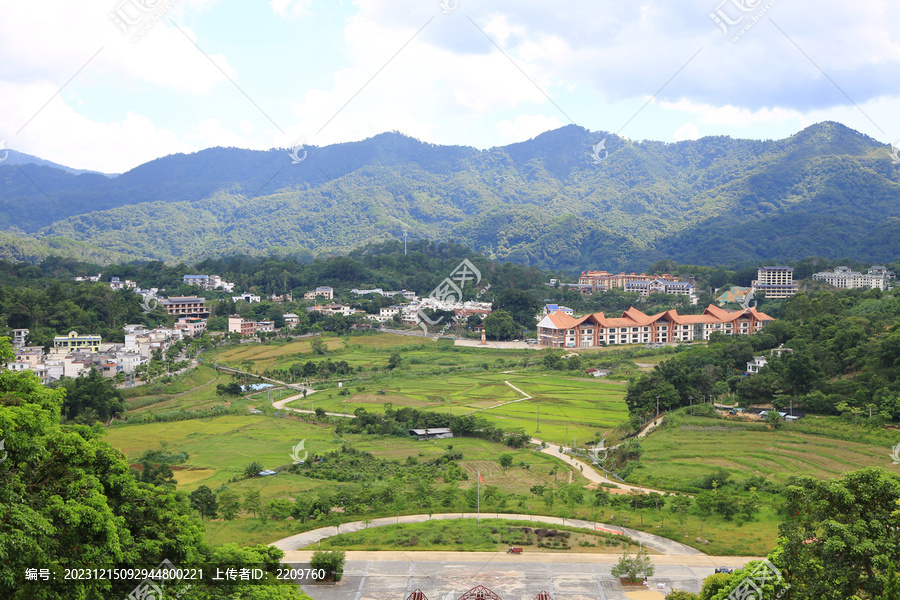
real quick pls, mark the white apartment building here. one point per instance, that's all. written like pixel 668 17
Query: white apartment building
pixel 775 282
pixel 845 278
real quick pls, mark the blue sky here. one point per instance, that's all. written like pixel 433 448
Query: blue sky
pixel 182 75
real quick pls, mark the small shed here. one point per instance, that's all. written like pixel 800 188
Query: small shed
pixel 431 433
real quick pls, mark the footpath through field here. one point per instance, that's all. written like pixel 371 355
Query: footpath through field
pixel 525 397
pixel 588 470
pixel 654 542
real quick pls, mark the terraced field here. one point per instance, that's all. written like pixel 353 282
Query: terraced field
pixel 372 352
pixel 674 455
pixel 566 407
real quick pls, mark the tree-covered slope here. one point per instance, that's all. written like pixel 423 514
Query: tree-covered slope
pixel 827 190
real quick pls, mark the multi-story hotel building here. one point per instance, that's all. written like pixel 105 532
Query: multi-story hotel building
pixel 185 306
pixel 559 330
pixel 660 286
pixel 844 277
pixel 606 280
pixel 775 282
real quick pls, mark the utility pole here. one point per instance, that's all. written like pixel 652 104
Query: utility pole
pixel 657 407
pixel 538 430
pixel 691 398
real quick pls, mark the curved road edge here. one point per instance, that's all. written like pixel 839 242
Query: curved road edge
pixel 660 544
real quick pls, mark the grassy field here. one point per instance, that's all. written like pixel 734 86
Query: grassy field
pixel 567 406
pixel 489 535
pixel 194 389
pixel 220 448
pixel 674 456
pixel 372 352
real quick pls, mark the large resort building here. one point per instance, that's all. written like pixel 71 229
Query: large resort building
pixel 843 277
pixel 559 330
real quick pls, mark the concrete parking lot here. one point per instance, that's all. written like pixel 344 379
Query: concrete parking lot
pixel 392 576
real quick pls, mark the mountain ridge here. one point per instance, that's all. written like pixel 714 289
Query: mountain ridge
pixel 544 201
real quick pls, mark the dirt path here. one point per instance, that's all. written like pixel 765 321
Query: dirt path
pixel 280 405
pixel 587 470
pixel 526 397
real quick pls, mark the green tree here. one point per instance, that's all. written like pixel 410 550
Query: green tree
pixel 714 584
pixel 280 508
pixel 91 397
pixel 331 561
pixel 203 500
pixel 252 502
pixel 229 504
pixel 680 505
pixel 156 474
pixel 70 500
pixel 839 537
pixel 499 325
pixel 681 595
pixel 634 567
pixel 520 305
pixel 253 469
pixel 394 361
pixel 318 346
pixel 506 461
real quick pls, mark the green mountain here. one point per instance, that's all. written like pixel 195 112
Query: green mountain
pixel 828 190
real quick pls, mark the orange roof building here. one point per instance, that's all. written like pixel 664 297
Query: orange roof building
pixel 559 330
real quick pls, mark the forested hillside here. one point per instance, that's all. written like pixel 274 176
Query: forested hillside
pixel 827 190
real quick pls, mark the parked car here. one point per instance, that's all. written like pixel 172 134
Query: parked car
pixel 724 570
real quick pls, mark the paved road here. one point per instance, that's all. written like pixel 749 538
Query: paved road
pixel 654 542
pixel 473 343
pixel 447 576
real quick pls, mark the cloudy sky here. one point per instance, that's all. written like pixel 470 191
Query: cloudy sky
pixel 110 84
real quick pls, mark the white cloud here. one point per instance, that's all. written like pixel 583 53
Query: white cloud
pixel 688 131
pixel 731 116
pixel 525 127
pixel 598 61
pixel 290 8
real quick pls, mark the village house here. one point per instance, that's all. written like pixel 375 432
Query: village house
pixel 238 324
pixel 192 326
pixel 73 342
pixel 208 282
pixel 116 284
pixel 324 291
pixel 247 297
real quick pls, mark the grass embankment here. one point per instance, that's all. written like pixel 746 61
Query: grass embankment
pixel 822 447
pixel 489 535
